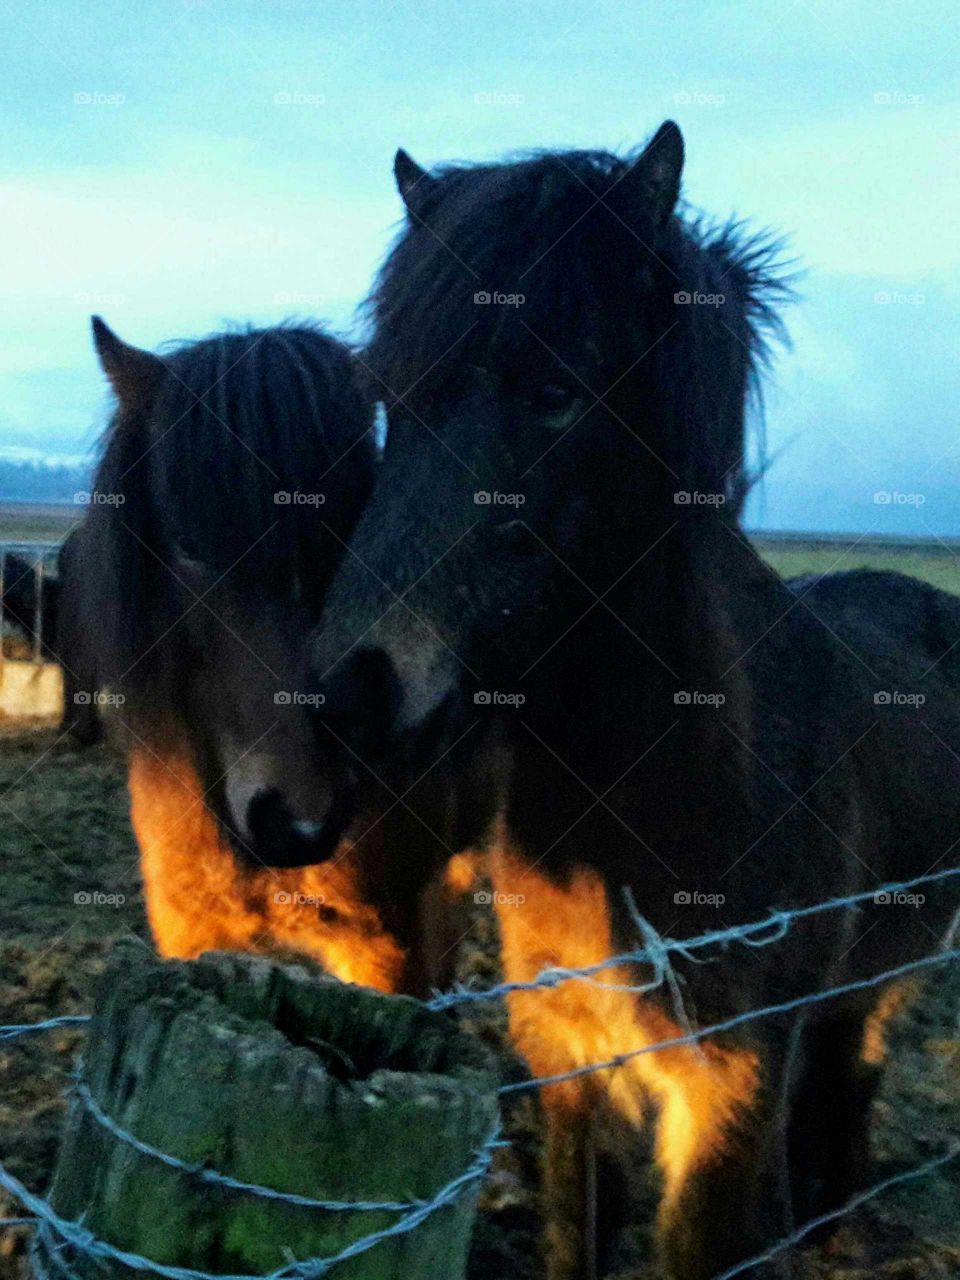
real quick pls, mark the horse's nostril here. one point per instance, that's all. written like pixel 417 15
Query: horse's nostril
pixel 362 697
pixel 278 839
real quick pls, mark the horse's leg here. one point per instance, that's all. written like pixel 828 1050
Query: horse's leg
pixel 442 917
pixel 727 1190
pixel 720 1132
pixel 545 924
pixel 81 718
pixel 829 1139
pixel 199 898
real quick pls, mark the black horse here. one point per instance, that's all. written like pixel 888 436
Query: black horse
pixel 568 361
pixel 231 476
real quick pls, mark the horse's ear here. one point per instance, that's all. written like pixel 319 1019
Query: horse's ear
pixel 133 374
pixel 657 170
pixel 413 183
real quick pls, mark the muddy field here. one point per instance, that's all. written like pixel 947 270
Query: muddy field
pixel 65 839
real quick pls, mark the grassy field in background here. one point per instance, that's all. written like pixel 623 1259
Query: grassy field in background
pixel 790 554
pixel 37 521
pixel 933 561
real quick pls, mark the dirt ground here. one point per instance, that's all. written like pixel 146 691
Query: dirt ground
pixel 64 832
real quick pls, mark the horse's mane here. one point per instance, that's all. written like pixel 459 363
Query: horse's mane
pixel 469 243
pixel 193 473
pixel 600 278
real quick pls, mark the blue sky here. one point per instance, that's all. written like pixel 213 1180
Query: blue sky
pixel 175 164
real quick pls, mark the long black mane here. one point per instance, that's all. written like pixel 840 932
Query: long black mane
pixel 204 471
pixel 461 241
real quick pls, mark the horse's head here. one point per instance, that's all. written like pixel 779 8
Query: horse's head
pixel 233 473
pixel 562 355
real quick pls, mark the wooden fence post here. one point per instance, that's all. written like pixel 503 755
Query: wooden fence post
pixel 273 1075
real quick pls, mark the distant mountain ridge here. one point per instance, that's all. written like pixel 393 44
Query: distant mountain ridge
pixel 43 481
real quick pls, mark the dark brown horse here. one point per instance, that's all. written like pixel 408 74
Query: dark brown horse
pixel 231 477
pixel 568 360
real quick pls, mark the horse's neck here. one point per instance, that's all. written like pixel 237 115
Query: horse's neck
pixel 629 677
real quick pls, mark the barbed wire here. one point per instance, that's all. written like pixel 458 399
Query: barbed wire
pixel 657 951
pixel 756 933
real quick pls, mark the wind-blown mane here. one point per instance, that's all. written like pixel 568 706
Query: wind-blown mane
pixel 461 241
pixel 205 468
pixel 583 278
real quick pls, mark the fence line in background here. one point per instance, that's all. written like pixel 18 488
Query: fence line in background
pixel 656 952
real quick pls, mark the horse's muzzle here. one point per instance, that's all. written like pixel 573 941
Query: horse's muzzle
pixel 277 838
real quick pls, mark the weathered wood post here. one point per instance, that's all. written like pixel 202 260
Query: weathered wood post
pixel 277 1076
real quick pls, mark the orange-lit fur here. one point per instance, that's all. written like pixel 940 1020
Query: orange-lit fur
pixel 893 999
pixel 199 898
pixel 698 1091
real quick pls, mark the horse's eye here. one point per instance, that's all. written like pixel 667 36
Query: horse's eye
pixel 551 397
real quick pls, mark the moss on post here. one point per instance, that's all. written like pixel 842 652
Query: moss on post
pixel 277 1076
